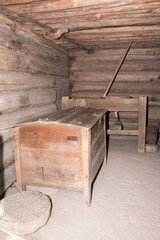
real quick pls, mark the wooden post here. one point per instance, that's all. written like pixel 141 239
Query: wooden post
pixel 142 124
pixel 86 157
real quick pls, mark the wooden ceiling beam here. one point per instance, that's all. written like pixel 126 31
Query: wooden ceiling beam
pixel 116 45
pixel 106 23
pixel 109 30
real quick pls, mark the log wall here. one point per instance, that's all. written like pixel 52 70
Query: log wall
pixel 140 75
pixel 33 78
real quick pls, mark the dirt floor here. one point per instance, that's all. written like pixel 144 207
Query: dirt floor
pixel 125 201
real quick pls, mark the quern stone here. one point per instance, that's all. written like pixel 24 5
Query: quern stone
pixel 24 212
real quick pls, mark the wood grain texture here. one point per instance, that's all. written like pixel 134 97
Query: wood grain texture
pixel 51 154
pixel 140 75
pixel 7 177
pixel 58 151
pixel 32 74
pixel 96 24
pixel 142 124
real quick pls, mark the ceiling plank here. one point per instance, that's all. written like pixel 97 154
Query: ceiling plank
pixel 40 6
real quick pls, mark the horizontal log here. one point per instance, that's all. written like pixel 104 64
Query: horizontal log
pixel 108 65
pixel 6 135
pixel 12 61
pixel 115 45
pixel 94 11
pixel 27 46
pixel 4 3
pixel 10 102
pixel 29 28
pixel 121 38
pixel 41 6
pixel 25 115
pixel 78 25
pixel 7 177
pixel 118 29
pixel 118 38
pixel 119 87
pixel 103 16
pixel 6 154
pixel 130 76
pixel 116 54
pixel 111 43
pixel 16 81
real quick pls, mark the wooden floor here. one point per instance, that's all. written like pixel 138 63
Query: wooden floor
pixel 125 203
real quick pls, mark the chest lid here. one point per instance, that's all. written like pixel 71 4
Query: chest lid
pixel 82 117
pixel 76 117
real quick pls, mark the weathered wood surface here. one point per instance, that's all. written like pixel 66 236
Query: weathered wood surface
pixel 13 61
pixel 29 47
pixel 26 114
pixel 7 177
pixel 96 24
pixel 6 154
pixel 30 28
pixel 57 151
pixel 32 76
pixel 140 75
pixel 116 104
pixel 57 167
pixel 142 124
pixel 139 65
pixel 21 99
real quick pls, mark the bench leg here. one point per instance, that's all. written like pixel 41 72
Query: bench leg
pixel 142 124
pixel 87 194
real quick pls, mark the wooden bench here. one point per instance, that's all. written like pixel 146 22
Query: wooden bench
pixel 138 104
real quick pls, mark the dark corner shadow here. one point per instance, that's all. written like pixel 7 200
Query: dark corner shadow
pixel 107 136
pixel 1 170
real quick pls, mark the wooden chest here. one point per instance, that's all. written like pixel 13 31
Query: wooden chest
pixel 62 151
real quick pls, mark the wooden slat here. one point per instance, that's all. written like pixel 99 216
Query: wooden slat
pixel 123 132
pixel 113 104
pixel 110 104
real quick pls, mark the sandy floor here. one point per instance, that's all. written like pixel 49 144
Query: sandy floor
pixel 125 202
